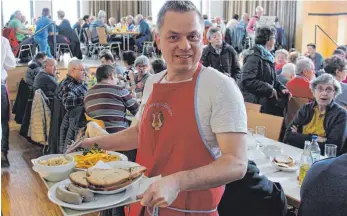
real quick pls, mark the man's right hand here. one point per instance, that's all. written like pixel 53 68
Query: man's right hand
pixel 274 94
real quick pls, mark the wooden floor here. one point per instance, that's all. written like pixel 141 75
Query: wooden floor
pixel 22 191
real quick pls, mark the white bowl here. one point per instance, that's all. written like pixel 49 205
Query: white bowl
pixel 272 150
pixel 54 173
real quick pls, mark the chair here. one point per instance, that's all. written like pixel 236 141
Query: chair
pixel 103 44
pixel 25 47
pixel 252 106
pixel 91 47
pixel 61 48
pixel 293 106
pixel 148 47
pixel 272 123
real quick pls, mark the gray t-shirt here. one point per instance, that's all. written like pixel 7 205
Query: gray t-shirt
pixel 220 106
pixel 341 99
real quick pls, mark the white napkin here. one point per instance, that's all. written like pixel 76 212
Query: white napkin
pixel 101 165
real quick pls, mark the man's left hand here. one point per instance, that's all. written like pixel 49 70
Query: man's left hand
pixel 161 193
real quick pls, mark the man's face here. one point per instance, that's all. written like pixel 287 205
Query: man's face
pixel 310 50
pixel 106 62
pixel 216 39
pixel 181 42
pixel 79 73
pixel 51 67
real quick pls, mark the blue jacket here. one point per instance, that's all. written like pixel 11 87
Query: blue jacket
pixel 145 31
pixel 238 35
pixel 42 22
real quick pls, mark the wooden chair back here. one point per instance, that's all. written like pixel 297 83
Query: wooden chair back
pixel 252 106
pixel 102 35
pixel 272 123
pixel 293 106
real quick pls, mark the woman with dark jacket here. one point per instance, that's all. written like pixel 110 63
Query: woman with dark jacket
pixel 65 29
pixel 259 83
pixel 323 117
pixel 220 55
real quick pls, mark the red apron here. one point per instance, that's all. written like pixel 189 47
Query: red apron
pixel 170 142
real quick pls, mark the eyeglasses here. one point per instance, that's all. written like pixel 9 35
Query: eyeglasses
pixel 141 66
pixel 327 90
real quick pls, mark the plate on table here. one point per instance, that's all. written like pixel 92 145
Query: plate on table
pixel 100 201
pixel 122 157
pixel 285 163
pixel 120 164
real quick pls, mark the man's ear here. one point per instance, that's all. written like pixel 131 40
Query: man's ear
pixel 157 40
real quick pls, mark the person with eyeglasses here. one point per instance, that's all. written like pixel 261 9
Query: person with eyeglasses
pixel 74 87
pixel 259 83
pixel 323 117
pixel 300 85
pixel 138 80
pixel 337 66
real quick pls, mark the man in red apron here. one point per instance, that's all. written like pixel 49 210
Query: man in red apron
pixel 181 133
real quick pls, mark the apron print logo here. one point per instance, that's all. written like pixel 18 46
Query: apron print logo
pixel 157 120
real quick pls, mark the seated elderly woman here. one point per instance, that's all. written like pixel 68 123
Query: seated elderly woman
pixel 281 58
pixel 337 67
pixel 323 117
pixel 99 22
pixel 139 79
pixel 300 85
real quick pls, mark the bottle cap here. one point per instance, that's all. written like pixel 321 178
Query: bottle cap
pixel 314 137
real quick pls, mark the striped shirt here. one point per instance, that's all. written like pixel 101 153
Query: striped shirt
pixel 109 103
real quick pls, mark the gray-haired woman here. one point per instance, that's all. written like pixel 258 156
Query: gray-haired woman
pixel 138 80
pixel 323 117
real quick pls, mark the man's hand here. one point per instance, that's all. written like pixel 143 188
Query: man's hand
pixel 321 139
pixel 161 193
pixel 274 94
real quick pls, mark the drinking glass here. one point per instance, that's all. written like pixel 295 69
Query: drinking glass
pixel 330 150
pixel 260 132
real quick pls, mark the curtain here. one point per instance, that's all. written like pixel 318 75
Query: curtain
pixel 284 10
pixel 118 9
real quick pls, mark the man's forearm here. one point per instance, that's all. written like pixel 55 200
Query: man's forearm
pixel 121 141
pixel 222 171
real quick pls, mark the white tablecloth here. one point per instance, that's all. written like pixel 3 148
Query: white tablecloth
pixel 288 180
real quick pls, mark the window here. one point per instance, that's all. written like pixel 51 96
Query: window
pixel 9 7
pixel 68 6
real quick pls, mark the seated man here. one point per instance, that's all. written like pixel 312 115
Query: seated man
pixel 323 192
pixel 287 74
pixel 78 26
pixel 99 22
pixel 21 31
pixel 300 85
pixel 145 32
pixel 35 67
pixel 109 102
pixel 220 55
pixel 316 57
pixel 46 80
pixel 107 58
pixel 323 117
pixel 74 87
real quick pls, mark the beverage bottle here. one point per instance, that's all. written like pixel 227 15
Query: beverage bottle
pixel 305 162
pixel 315 150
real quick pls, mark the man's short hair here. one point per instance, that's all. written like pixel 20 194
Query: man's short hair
pixel 177 6
pixel 158 65
pixel 104 72
pixel 293 57
pixel 40 55
pixel 303 64
pixel 339 52
pixel 205 16
pixel 342 47
pixel 107 55
pixel 45 11
pixel 288 69
pixel 46 61
pixel 129 57
pixel 85 17
pixel 236 16
pixel 211 31
pixel 312 45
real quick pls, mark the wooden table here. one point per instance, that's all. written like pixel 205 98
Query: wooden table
pixel 288 180
pixel 125 35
